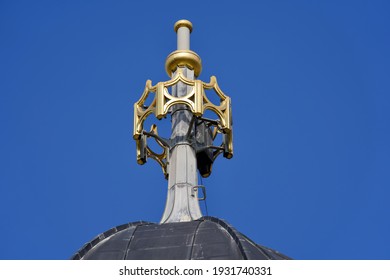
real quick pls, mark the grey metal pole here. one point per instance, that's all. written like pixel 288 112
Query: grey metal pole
pixel 183 38
pixel 182 200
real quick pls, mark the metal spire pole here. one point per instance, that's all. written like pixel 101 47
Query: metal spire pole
pixel 182 203
pixel 191 144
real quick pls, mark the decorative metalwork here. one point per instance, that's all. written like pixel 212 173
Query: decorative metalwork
pixel 181 23
pixel 183 58
pixel 145 151
pixel 196 100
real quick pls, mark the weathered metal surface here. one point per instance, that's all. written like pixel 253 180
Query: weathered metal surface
pixel 208 238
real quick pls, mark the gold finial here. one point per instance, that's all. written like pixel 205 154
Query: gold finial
pixel 183 56
pixel 181 23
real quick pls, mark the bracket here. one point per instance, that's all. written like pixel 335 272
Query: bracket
pixel 144 151
pixel 194 190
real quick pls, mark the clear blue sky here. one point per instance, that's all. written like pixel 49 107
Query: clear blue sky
pixel 309 82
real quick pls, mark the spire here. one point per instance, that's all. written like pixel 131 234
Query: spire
pixel 190 146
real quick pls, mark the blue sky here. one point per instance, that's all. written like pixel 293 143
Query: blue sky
pixel 309 82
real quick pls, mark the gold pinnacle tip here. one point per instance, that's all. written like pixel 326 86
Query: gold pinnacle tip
pixel 183 23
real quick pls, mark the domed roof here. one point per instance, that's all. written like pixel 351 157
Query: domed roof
pixel 207 238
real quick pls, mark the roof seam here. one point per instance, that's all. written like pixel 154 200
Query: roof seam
pixel 131 239
pixel 231 231
pixel 193 239
pixel 257 246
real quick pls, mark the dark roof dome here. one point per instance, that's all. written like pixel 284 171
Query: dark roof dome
pixel 207 238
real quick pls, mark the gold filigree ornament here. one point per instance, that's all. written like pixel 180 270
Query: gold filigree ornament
pixel 197 102
pixel 144 151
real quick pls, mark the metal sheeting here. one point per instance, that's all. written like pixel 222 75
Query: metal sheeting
pixel 208 238
pixel 102 246
pixel 213 242
pixel 171 241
